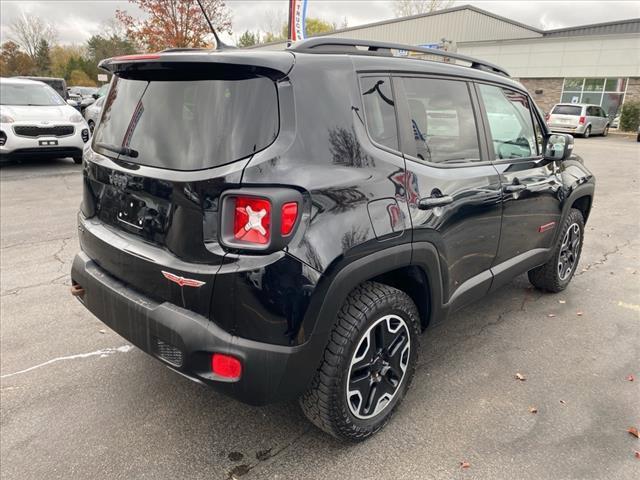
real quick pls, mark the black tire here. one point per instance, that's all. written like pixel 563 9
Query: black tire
pixel 553 275
pixel 77 159
pixel 368 315
pixel 605 132
pixel 587 132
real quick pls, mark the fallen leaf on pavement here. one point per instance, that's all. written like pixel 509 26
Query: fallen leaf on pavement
pixel 533 410
pixel 579 314
pixel 633 431
pixel 520 377
pixel 563 402
pixel 637 454
pixel 465 464
pixel 551 315
pixel 630 378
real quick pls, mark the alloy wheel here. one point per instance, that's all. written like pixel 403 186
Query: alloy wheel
pixel 378 366
pixel 569 250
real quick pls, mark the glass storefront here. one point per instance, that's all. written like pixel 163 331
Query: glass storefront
pixel 606 92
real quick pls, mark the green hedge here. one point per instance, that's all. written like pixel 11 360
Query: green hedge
pixel 630 118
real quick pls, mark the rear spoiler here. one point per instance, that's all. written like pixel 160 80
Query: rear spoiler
pixel 197 62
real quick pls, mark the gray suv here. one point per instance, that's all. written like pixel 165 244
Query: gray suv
pixel 578 119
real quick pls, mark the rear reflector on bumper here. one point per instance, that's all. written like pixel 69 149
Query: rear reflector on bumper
pixel 226 366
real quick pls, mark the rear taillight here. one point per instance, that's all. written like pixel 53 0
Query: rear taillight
pixel 263 219
pixel 582 120
pixel 289 215
pixel 226 366
pixel 252 220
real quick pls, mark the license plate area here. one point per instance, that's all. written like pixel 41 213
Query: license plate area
pixel 47 143
pixel 132 212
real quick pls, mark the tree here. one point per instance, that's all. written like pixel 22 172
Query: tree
pixel 43 58
pixel 247 39
pixel 314 26
pixel 15 62
pixel 175 23
pixel 28 31
pixel 61 56
pixel 406 8
pixel 79 78
pixel 100 47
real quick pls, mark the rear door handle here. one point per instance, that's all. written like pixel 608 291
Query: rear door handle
pixel 434 201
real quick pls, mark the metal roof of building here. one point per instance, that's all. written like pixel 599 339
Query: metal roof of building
pixel 607 28
pixel 464 23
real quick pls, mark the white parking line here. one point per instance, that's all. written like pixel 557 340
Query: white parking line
pixel 105 352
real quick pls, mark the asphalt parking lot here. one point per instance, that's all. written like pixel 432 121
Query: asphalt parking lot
pixel 77 402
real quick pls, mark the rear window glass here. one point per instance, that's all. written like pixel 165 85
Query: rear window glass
pixel 567 110
pixel 380 111
pixel 188 125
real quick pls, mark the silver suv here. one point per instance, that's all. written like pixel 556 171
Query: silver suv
pixel 578 119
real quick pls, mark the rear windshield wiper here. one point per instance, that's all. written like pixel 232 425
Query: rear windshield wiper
pixel 129 152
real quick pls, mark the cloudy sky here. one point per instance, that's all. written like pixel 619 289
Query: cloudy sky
pixel 77 20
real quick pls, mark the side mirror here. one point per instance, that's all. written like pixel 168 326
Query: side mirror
pixel 95 95
pixel 558 146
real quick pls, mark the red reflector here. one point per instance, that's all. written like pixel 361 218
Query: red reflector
pixel 226 366
pixel 289 216
pixel 145 56
pixel 582 120
pixel 252 220
pixel 546 226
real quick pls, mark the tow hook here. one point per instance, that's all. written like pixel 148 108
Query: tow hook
pixel 77 290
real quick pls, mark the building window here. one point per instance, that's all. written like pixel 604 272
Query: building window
pixel 606 92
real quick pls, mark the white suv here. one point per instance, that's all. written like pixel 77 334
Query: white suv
pixel 36 121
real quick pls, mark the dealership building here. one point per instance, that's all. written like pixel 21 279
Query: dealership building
pixel 598 63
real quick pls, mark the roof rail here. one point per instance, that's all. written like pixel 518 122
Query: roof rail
pixel 346 45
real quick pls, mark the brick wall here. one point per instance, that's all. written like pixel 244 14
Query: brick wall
pixel 551 91
pixel 633 90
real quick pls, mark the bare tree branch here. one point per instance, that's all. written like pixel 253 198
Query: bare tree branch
pixel 29 31
pixel 406 8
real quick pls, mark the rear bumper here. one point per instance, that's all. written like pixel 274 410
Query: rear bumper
pixel 564 129
pixel 184 341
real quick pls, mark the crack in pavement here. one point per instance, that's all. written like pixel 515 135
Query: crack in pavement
pixel 37 242
pixel 18 290
pixel 605 257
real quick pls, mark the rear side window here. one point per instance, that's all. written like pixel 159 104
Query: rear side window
pixel 510 122
pixel 380 111
pixel 188 125
pixel 567 110
pixel 442 120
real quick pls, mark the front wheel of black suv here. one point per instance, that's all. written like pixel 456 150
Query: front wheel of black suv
pixel 555 275
pixel 77 159
pixel 367 365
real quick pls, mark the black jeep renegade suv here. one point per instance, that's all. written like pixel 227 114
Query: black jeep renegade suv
pixel 284 224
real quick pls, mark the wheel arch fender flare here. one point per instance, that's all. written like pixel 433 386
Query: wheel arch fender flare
pixel 334 288
pixel 585 189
